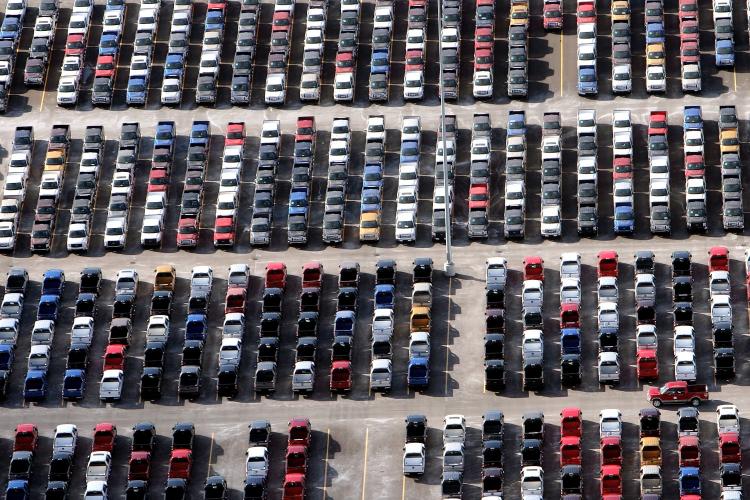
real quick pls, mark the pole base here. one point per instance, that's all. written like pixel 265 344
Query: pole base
pixel 449 269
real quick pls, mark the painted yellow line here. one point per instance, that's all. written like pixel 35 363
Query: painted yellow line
pixel 210 454
pixel 734 75
pixel 562 64
pixel 325 462
pixel 403 487
pixel 364 470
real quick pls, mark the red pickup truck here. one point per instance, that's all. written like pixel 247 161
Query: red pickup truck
pixel 678 392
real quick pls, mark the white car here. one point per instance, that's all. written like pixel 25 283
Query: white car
pixel 230 352
pixel 659 193
pixel 656 79
pixel 727 419
pixel 78 24
pixel 685 367
pixel 622 79
pixel 82 331
pixel 100 465
pixel 454 429
pixel 233 326
pixel 645 337
pixel 275 89
pixel 338 152
pixel 570 265
pixel 157 329
pixel 43 332
pixel 65 438
pixel 695 189
pixel 570 291
pixel 341 130
pixel 406 226
pixel 587 122
pixel 383 17
pixel 551 222
pixel 115 232
pixel 532 293
pixel 44 27
pixel 719 284
pixel 450 148
pixel 271 132
pixel 201 279
pixel 257 461
pixel 140 66
pixel 7 236
pixel 16 8
pixel 693 142
pixel 232 158
pixel 113 21
pixel 226 205
pixel 438 199
pixel 482 84
pixel 608 367
pixel 110 388
pixel 310 87
pixel 586 54
pixel 314 40
pixel 610 423
pixel 209 64
pixel 722 9
pixel 90 163
pixel 453 457
pixel 621 121
pixel 586 33
pixel 659 168
pixel 316 18
pixel 20 163
pixel 415 39
pixel 721 309
pixel 691 78
pixel 151 231
pixel 171 90
pixel 480 149
pixel 411 129
pixel 15 187
pixel 413 85
pixel 303 377
pixel 78 237
pixel 148 19
pixel 622 144
pixel 50 185
pixel 67 91
pixel 515 195
pixel 352 5
pixel 551 148
pixel 406 199
pixel 10 210
pixel 6 71
pixel 213 40
pixel 408 175
pixel 343 87
pixel 623 192
pixel 96 490
pixel 181 22
pixel 84 6
pixel 451 38
pixel 414 459
pixel 532 346
pixel 375 129
pixel 532 483
pixel 608 316
pixel 381 375
pixel 684 339
pixel 229 182
pixel 156 204
pixel 126 281
pixel 587 169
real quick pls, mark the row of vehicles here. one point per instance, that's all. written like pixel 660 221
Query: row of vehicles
pixel 551 176
pixel 518 71
pixel 243 65
pixel 622 80
pixel 622 174
pixel 141 60
pixel 496 277
pixel 586 47
pixel 175 63
pixel 281 46
pixel 14 189
pixel 733 216
pixel 690 54
pixel 211 52
pixel 371 202
pixel 10 38
pixel 445 165
pixel 121 191
pixel 408 179
pixel 230 178
pixel 339 158
pixel 420 325
pixel 45 27
pixel 380 62
pixel 108 52
pixel 298 213
pixel 514 199
pixel 587 170
pixel 653 17
pixel 346 54
pixel 312 57
pixel 416 52
pixel 723 32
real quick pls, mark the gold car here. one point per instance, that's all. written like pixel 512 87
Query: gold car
pixel 519 14
pixel 165 278
pixel 620 11
pixel 55 161
pixel 369 226
pixel 655 54
pixel 729 141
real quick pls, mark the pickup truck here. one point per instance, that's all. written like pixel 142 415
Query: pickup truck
pixel 59 138
pixel 23 139
pixel 678 392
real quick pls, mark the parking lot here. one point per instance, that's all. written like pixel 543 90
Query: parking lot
pixel 358 438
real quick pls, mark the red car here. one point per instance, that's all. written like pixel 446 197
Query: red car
pixel 105 435
pixel 552 15
pixel 187 233
pixel 296 459
pixel 75 45
pixel 483 39
pixel 158 181
pixel 417 3
pixel 414 60
pixel 611 480
pixel 312 274
pixel 533 268
pixel 730 450
pixel 689 451
pixel 689 52
pixel 622 168
pixel 688 10
pixel 180 464
pixel 570 451
pixel 294 487
pixel 300 431
pixel 282 21
pixel 478 197
pixel 275 275
pixel 482 60
pixel 647 364
pixel 718 259
pixel 27 436
pixel 235 300
pixel 139 466
pixel 305 129
pixel 344 62
pixel 694 166
pixel 105 67
pixel 114 357
pixel 657 123
pixel 607 262
pixel 571 422
pixel 570 316
pixel 341 376
pixel 224 231
pixel 586 12
pixel 610 452
pixel 235 134
pixel 689 30
pixel 217 4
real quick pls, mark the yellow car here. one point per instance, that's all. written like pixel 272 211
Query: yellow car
pixel 369 226
pixel 620 11
pixel 655 54
pixel 519 14
pixel 55 161
pixel 650 451
pixel 729 141
pixel 165 278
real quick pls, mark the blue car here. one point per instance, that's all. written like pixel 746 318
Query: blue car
pixel 115 5
pixel 53 282
pixel 49 307
pixel 17 489
pixel 724 53
pixel 371 200
pixel 196 327
pixel 137 89
pixel 165 134
pixel 35 386
pixel 343 323
pixel 380 62
pixel 214 20
pixel 654 33
pixel 200 133
pixel 587 84
pixel 570 341
pixel 516 123
pixel 298 201
pixel 372 177
pixel 174 66
pixel 692 118
pixel 11 28
pixel 109 44
pixel 385 296
pixel 418 373
pixel 74 384
pixel 7 355
pixel 690 481
pixel 624 220
pixel 409 152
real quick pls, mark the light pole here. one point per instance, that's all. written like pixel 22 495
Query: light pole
pixel 448 266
